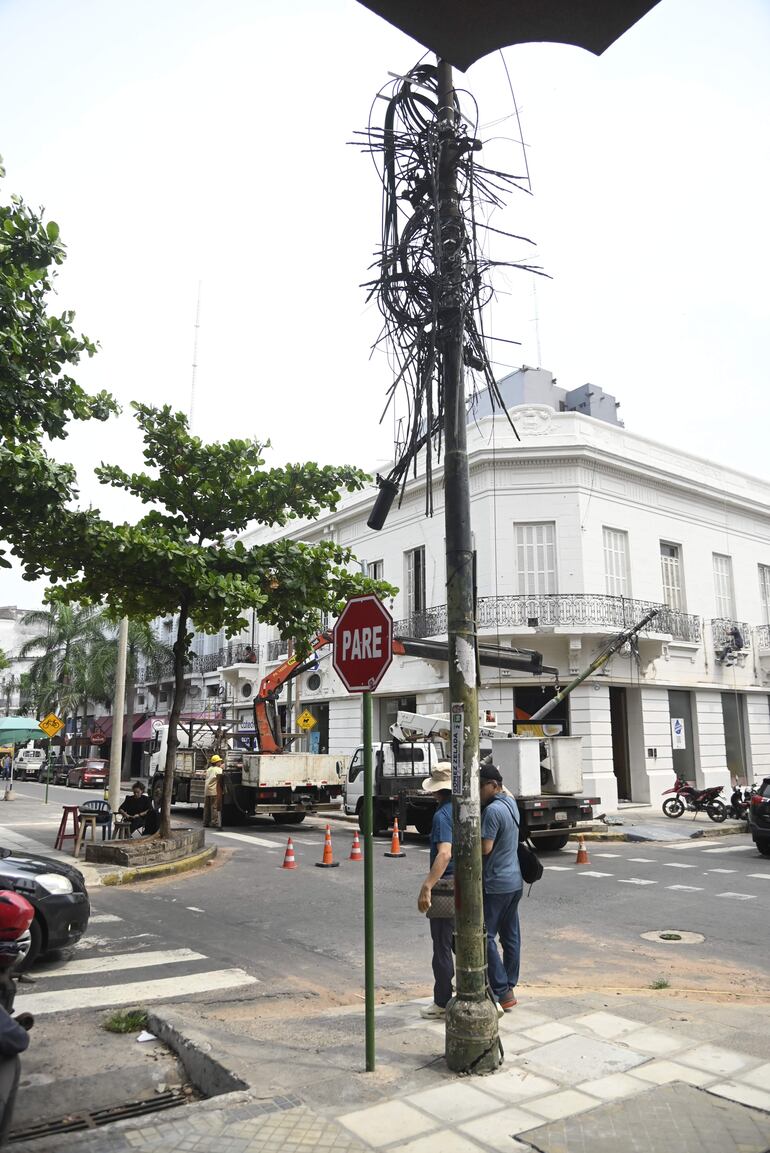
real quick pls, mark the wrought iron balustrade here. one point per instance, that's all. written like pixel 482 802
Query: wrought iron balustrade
pixel 565 609
pixel 722 630
pixel 276 650
pixel 762 636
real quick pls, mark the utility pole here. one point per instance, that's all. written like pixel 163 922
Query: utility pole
pixel 471 1017
pixel 118 706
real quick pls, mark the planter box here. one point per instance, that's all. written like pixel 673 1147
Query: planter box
pixel 147 850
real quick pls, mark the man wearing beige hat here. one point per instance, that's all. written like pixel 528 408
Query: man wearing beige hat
pixel 441 869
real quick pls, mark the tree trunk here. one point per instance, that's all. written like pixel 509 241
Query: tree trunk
pixel 180 651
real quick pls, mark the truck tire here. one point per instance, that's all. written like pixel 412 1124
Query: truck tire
pixel 550 843
pixel 231 815
pixel 289 818
pixel 379 819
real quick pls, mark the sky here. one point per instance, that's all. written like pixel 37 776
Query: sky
pixel 198 143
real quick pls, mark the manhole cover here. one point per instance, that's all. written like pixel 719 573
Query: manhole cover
pixel 674 937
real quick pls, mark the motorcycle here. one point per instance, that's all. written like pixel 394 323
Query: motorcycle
pixel 739 803
pixel 691 800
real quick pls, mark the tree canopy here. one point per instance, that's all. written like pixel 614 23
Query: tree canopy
pixel 38 395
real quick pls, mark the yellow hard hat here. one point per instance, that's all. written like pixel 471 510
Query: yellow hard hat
pixel 215 760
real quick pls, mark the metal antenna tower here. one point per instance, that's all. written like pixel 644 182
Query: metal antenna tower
pixel 196 326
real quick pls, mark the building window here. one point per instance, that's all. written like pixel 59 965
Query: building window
pixel 374 570
pixel 535 558
pixel 616 562
pixel 764 592
pixel 671 571
pixel 723 586
pixel 212 690
pixel 415 581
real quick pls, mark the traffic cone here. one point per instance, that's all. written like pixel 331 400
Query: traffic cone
pixel 582 853
pixel 355 852
pixel 395 843
pixel 288 860
pixel 328 862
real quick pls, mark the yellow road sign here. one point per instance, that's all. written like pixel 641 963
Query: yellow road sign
pixel 51 724
pixel 306 721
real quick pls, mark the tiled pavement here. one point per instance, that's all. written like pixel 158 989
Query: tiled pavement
pixel 603 1079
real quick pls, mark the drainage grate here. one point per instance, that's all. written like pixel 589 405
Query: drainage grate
pixel 74 1122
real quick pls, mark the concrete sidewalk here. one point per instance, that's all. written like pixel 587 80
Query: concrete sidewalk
pixel 649 1072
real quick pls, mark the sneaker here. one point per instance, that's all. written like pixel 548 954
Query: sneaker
pixel 507 1003
pixel 434 1011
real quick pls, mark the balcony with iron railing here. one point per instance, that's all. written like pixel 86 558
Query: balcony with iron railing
pixel 729 633
pixel 566 610
pixel 234 653
pixel 762 636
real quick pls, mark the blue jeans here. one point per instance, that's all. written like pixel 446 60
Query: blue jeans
pixel 501 915
pixel 442 934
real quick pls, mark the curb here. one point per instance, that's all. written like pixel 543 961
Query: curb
pixel 128 876
pixel 704 832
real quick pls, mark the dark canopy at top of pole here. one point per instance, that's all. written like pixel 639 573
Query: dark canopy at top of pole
pixel 462 31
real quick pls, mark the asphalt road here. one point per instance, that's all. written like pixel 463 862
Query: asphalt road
pixel 271 933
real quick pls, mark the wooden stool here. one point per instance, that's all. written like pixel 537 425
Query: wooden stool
pixel 87 821
pixel 121 830
pixel 62 834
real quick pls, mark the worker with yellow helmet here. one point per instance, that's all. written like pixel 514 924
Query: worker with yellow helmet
pixel 212 800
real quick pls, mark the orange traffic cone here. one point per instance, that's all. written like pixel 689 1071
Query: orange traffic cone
pixel 582 853
pixel 355 852
pixel 288 860
pixel 328 862
pixel 395 843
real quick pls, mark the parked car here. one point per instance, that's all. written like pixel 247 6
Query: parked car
pixel 91 774
pixel 759 817
pixel 58 895
pixel 60 767
pixel 28 764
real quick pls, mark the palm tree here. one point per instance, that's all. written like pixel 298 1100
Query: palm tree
pixel 68 633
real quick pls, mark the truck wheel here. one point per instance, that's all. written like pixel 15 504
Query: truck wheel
pixel 231 815
pixel 289 818
pixel 379 819
pixel 551 843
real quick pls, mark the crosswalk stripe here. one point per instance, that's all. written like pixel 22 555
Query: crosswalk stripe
pixel 730 849
pixel 678 865
pixel 131 992
pixel 739 896
pixel 103 918
pixel 720 870
pixel 93 942
pixel 245 837
pixel 559 868
pixel 686 888
pixel 119 961
pixel 635 881
pixel 642 860
pixel 761 876
pixel 589 873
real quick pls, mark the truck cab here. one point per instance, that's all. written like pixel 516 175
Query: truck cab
pixel 399 769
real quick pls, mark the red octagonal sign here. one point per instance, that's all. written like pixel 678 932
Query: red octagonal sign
pixel 363 644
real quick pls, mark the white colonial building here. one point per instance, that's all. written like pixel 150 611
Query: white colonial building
pixel 579 529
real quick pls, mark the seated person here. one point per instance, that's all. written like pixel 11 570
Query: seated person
pixel 137 807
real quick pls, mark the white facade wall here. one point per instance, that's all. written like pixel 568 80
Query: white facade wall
pixel 709 735
pixel 758 717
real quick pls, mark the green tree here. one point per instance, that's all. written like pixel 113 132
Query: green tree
pixel 183 557
pixel 38 396
pixel 61 673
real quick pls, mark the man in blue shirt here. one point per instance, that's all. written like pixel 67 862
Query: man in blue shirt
pixel 502 884
pixel 441 928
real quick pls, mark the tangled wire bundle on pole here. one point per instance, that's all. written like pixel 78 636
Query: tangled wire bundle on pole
pixel 418 289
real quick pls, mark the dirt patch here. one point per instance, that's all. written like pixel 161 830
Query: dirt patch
pixel 585 964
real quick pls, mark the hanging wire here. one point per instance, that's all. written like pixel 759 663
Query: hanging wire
pixel 409 282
